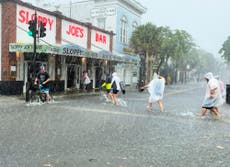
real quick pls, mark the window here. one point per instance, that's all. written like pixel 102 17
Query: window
pixel 101 23
pixel 124 30
pixel 134 25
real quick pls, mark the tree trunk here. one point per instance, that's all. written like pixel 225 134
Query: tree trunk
pixel 147 67
pixel 150 67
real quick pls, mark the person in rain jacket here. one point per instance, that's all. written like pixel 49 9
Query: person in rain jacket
pixel 156 90
pixel 222 87
pixel 115 86
pixel 212 97
pixel 107 85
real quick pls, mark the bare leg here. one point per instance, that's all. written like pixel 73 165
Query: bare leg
pixel 160 103
pixel 203 111
pixel 48 98
pixel 115 99
pixel 110 96
pixel 216 112
pixel 150 105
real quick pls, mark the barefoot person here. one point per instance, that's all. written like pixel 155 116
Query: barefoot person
pixel 115 87
pixel 156 91
pixel 212 97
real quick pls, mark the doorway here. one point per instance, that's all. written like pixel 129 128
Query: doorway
pixel 98 77
pixel 70 76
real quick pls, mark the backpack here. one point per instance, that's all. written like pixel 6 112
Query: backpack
pixel 122 86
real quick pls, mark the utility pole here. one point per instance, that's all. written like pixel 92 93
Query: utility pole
pixel 32 32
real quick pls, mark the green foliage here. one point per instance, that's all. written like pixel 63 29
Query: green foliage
pixel 173 50
pixel 145 38
pixel 225 51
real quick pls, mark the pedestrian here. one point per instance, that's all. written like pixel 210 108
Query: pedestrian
pixel 115 86
pixel 222 87
pixel 86 80
pixel 212 97
pixel 156 90
pixel 107 85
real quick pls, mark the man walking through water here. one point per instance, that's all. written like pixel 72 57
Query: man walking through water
pixel 156 90
pixel 212 97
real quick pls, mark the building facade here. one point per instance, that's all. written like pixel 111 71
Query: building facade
pixel 119 16
pixel 69 47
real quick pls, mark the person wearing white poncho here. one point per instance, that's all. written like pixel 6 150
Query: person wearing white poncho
pixel 212 97
pixel 156 90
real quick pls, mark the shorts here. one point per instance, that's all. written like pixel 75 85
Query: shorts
pixel 208 108
pixel 115 91
pixel 45 89
pixel 108 91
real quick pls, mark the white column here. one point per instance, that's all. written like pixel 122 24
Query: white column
pixel 64 71
pixel 52 67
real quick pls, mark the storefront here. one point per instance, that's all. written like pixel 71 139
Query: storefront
pixel 69 48
pixel 64 63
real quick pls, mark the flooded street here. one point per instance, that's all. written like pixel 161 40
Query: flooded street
pixel 90 132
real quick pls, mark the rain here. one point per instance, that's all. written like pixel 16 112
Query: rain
pixel 92 125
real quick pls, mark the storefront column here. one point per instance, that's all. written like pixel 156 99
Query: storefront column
pixel 64 70
pixel 25 75
pixel 52 67
pixel 93 76
pixel 20 66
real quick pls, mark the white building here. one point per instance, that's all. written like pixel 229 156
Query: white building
pixel 119 16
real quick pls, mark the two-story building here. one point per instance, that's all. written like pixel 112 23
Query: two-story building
pixel 119 16
pixel 69 48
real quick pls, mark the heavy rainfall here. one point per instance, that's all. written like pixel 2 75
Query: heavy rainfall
pixel 100 88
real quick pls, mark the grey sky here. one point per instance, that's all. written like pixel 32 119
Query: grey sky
pixel 206 20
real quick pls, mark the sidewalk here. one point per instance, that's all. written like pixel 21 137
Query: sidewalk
pixel 59 95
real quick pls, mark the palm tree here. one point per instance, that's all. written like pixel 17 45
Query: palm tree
pixel 145 39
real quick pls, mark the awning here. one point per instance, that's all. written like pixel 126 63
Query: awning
pixel 26 48
pixel 73 50
pixel 130 58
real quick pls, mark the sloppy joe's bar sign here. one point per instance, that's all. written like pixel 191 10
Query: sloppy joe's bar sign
pixel 24 15
pixel 74 33
pixel 100 40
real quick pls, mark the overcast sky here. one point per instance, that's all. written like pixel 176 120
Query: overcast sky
pixel 208 21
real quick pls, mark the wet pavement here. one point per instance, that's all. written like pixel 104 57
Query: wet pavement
pixel 87 131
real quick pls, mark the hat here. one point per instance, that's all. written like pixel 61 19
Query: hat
pixel 42 67
pixel 114 74
pixel 209 75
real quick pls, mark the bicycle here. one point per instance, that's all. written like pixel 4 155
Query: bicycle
pixel 38 94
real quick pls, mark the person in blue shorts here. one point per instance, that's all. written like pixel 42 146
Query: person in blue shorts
pixel 43 79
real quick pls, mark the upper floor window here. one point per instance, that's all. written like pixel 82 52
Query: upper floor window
pixel 134 25
pixel 124 30
pixel 101 23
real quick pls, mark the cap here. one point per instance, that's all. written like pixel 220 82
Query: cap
pixel 42 67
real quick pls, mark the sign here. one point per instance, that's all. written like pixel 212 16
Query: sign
pixel 14 47
pixel 24 15
pixel 100 41
pixel 72 50
pixel 65 50
pixel 102 12
pixel 74 34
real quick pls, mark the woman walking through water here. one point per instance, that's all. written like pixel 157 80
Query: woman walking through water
pixel 156 90
pixel 212 97
pixel 115 86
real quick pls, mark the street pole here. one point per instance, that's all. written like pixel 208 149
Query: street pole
pixel 29 82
